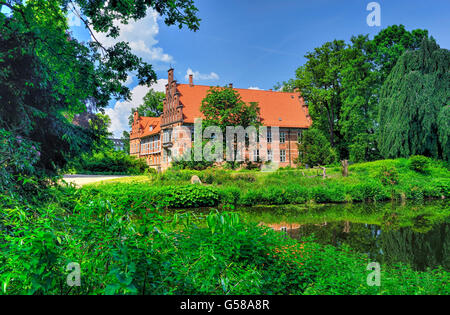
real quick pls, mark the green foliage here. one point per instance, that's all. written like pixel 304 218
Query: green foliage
pixel 389 176
pixel 375 181
pixel 132 251
pixel 341 84
pixel 223 107
pixel 18 159
pixel 315 149
pixel 413 98
pixel 47 76
pixel 141 196
pixel 390 44
pixel 364 148
pixel 317 82
pixel 126 141
pixel 108 163
pixel 419 164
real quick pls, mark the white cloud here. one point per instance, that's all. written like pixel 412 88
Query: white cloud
pixel 129 81
pixel 201 76
pixel 254 88
pixel 141 35
pixel 121 111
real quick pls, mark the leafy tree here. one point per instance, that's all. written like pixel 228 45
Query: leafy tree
pixel 364 148
pixel 126 141
pixel 414 99
pixel 315 149
pixel 100 126
pixel 46 76
pixel 153 106
pixel 359 105
pixel 319 81
pixel 390 44
pixel 224 107
pixel 341 84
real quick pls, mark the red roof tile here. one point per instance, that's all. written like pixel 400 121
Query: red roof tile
pixel 277 108
pixel 143 128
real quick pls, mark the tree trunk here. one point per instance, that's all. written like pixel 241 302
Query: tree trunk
pixel 345 168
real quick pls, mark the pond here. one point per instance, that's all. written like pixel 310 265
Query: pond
pixel 417 234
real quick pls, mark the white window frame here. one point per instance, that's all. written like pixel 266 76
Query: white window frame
pixel 282 156
pixel 282 137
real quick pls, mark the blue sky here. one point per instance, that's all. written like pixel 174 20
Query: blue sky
pixel 257 43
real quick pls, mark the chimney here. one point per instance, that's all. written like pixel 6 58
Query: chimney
pixel 191 80
pixel 231 85
pixel 170 78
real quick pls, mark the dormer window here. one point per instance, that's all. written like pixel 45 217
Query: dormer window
pixel 151 128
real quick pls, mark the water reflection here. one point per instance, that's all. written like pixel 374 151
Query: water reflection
pixel 415 245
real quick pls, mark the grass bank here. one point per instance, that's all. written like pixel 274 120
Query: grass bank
pixel 383 180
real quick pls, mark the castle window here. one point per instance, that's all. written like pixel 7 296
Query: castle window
pixel 269 135
pixel 282 137
pixel 283 155
pixel 255 155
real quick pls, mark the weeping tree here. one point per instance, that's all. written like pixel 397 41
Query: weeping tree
pixel 414 105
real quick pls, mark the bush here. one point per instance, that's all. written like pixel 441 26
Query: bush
pixel 315 149
pixel 419 164
pixel 368 191
pixel 389 176
pixel 109 163
pixel 18 158
pixel 141 196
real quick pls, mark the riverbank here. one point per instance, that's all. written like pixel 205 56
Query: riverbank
pixel 127 240
pixel 377 181
pixel 145 250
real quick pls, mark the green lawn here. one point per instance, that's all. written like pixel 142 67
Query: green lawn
pixel 367 182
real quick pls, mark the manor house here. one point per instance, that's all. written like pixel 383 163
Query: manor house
pixel 151 138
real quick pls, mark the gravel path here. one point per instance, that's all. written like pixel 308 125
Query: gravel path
pixel 81 180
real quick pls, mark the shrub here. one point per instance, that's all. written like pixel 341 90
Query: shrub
pixel 18 158
pixel 368 191
pixel 109 162
pixel 315 149
pixel 419 164
pixel 389 176
pixel 230 195
pixel 327 194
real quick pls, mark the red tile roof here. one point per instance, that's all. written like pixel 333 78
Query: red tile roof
pixel 279 109
pixel 142 130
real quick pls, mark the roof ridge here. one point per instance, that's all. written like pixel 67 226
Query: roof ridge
pixel 234 88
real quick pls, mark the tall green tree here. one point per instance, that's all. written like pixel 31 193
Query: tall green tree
pixel 413 111
pixel 319 80
pixel 153 106
pixel 390 44
pixel 224 107
pixel 359 104
pixel 126 141
pixel 341 84
pixel 46 76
